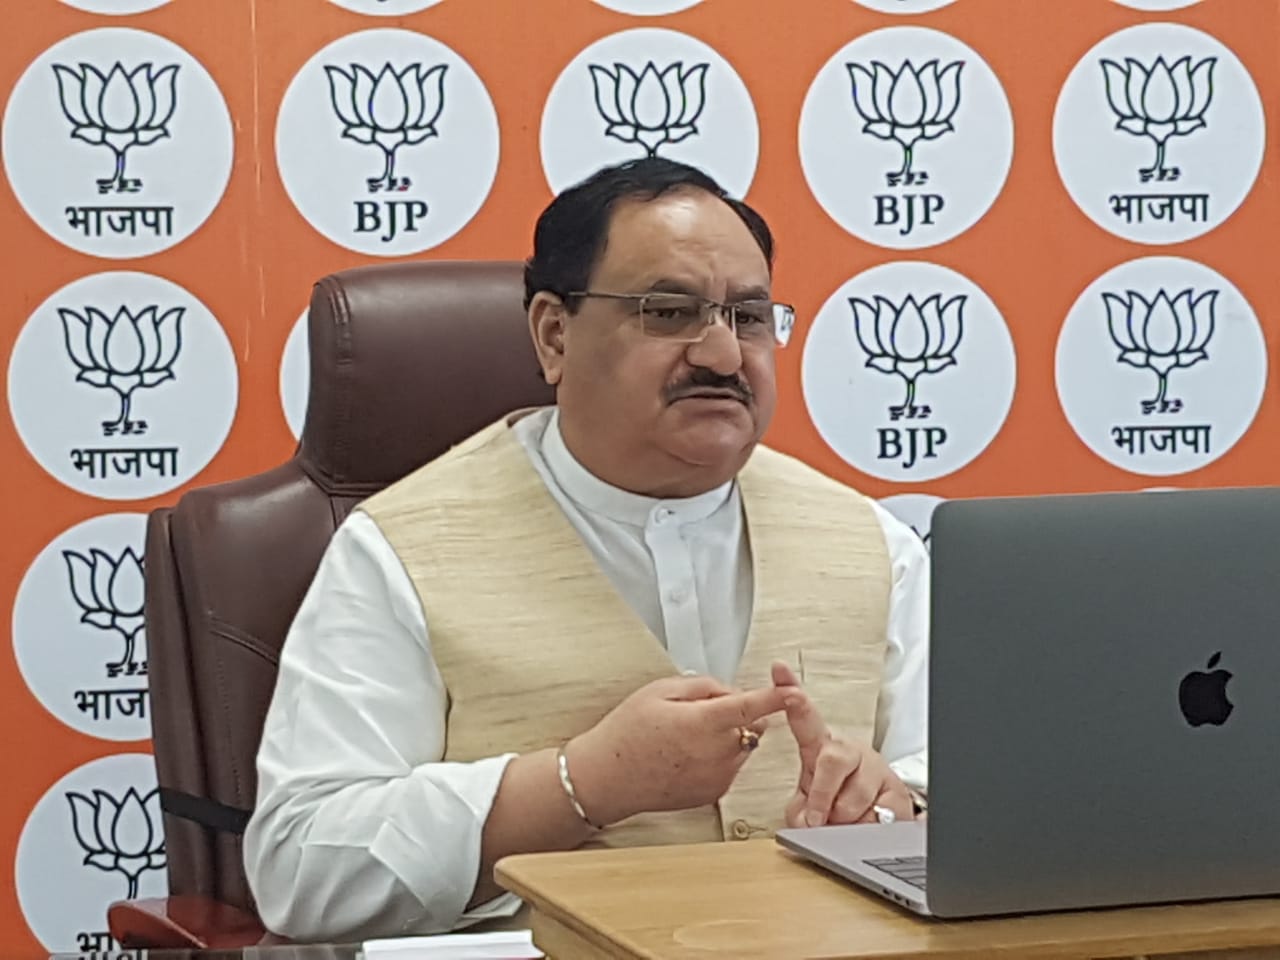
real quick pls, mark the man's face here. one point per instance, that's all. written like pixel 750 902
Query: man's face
pixel 655 416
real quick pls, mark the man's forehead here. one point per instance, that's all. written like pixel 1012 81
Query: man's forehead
pixel 677 214
pixel 680 232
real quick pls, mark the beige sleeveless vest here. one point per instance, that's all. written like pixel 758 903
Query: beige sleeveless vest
pixel 535 645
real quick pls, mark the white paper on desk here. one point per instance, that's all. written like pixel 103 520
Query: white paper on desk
pixel 504 945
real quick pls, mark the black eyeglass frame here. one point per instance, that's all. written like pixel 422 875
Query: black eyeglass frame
pixel 784 313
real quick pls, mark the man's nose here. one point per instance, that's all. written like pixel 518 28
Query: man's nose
pixel 719 350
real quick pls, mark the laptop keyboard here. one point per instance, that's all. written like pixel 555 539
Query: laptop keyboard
pixel 907 869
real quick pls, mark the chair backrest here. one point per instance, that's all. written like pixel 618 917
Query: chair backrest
pixel 406 361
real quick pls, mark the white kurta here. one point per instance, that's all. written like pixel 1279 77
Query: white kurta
pixel 361 830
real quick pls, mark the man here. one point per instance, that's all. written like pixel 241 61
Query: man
pixel 584 625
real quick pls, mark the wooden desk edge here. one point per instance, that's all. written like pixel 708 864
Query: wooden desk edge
pixel 561 919
pixel 574 936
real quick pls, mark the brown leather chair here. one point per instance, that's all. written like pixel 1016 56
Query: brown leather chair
pixel 406 361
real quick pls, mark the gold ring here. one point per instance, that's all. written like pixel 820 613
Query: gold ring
pixel 748 739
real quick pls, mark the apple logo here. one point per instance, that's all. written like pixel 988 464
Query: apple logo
pixel 1203 696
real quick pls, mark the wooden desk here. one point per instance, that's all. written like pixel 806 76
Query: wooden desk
pixel 755 900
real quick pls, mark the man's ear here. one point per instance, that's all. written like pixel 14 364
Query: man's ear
pixel 547 315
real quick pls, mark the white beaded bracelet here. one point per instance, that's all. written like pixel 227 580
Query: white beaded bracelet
pixel 562 763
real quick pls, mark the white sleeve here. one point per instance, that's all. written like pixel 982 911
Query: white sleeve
pixel 359 830
pixel 902 714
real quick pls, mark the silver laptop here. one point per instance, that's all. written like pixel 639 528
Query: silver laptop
pixel 1104 709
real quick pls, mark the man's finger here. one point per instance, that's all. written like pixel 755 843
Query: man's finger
pixel 760 726
pixel 857 799
pixel 806 723
pixel 830 771
pixel 736 736
pixel 697 687
pixel 893 796
pixel 793 816
pixel 744 709
pixel 783 675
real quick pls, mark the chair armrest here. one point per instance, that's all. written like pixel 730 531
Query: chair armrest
pixel 193 922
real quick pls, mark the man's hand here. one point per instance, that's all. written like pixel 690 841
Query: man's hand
pixel 840 781
pixel 673 744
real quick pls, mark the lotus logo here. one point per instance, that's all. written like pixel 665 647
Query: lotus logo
pixel 389 110
pixel 1161 334
pixel 110 596
pixel 121 836
pixel 908 106
pixel 909 340
pixel 1160 102
pixel 124 353
pixel 652 107
pixel 120 110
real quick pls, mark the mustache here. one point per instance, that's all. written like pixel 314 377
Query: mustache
pixel 702 379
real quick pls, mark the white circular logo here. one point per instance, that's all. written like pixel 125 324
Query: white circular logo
pixel 295 376
pixel 385 8
pixel 906 137
pixel 1159 133
pixel 905 6
pixel 1158 4
pixel 95 837
pixel 908 371
pixel 387 142
pixel 122 385
pixel 116 7
pixel 650 92
pixel 1161 366
pixel 78 635
pixel 117 143
pixel 916 511
pixel 648 8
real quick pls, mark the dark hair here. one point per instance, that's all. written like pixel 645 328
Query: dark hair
pixel 570 234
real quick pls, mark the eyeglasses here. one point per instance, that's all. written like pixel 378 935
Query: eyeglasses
pixel 685 318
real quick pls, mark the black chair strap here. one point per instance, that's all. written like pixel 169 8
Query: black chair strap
pixel 208 813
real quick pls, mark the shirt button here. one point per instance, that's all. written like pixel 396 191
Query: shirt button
pixel 662 515
pixel 678 595
pixel 741 830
